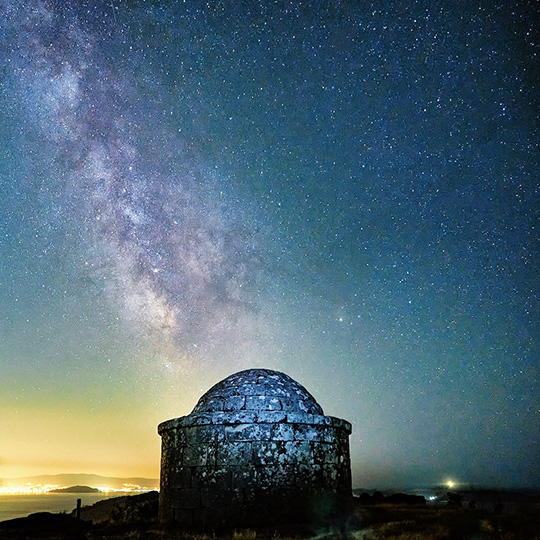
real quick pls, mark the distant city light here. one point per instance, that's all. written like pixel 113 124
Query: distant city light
pixel 28 489
pixel 44 489
pixel 450 484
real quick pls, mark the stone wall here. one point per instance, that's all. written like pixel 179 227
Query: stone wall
pixel 253 467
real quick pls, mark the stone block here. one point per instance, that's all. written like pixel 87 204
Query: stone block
pixel 271 417
pixel 189 498
pixel 299 452
pixel 195 455
pixel 214 404
pixel 200 476
pixel 331 455
pixel 177 438
pixel 304 477
pixel 288 403
pixel 299 418
pixel 217 478
pixel 263 403
pixel 173 500
pixel 218 498
pixel 318 449
pixel 181 439
pixel 305 432
pixel 212 498
pixel 265 480
pixel 191 434
pixel 175 455
pixel 265 453
pixel 234 403
pixel 249 390
pixel 248 432
pixel 168 440
pixel 282 432
pixel 174 423
pixel 298 448
pixel 303 406
pixel 283 460
pixel 233 454
pixel 209 434
pixel 219 417
pixel 329 435
pixel 243 477
pixel 330 475
pixel 241 417
pixel 211 453
pixel 181 477
pixel 200 420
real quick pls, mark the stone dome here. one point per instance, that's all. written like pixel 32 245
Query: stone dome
pixel 258 390
pixel 256 451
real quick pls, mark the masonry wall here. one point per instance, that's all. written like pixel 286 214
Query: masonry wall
pixel 252 468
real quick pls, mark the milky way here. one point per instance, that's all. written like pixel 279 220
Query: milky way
pixel 153 217
pixel 345 191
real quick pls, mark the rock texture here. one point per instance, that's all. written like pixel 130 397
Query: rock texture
pixel 129 509
pixel 256 450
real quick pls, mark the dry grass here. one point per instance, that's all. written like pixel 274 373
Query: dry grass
pixel 246 534
pixel 387 522
pixel 394 522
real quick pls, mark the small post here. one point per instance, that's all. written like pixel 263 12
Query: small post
pixel 78 508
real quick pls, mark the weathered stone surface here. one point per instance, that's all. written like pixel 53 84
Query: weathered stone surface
pixel 181 477
pixel 264 453
pixel 259 382
pixel 199 420
pixel 299 418
pixel 256 450
pixel 240 417
pixel 234 403
pixel 263 403
pixel 282 432
pixel 306 432
pixel 195 455
pixel 271 417
pixel 248 432
pixel 234 454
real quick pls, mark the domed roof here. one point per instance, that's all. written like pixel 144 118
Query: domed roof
pixel 258 390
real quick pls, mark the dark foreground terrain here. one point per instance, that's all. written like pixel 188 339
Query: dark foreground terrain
pixel 135 517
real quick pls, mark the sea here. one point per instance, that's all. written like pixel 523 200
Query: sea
pixel 16 506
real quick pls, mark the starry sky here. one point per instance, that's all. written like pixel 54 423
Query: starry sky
pixel 344 191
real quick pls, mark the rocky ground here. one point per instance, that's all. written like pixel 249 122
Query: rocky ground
pixel 135 517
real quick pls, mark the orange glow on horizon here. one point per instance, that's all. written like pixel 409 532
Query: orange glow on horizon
pixel 53 441
pixel 45 489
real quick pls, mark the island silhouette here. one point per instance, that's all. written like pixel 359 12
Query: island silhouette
pixel 76 489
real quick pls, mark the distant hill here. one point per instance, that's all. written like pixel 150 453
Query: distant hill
pixel 92 480
pixel 76 489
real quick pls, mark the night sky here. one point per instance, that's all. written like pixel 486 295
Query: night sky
pixel 343 191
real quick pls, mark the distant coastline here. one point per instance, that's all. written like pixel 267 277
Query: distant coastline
pixel 76 489
pixel 60 481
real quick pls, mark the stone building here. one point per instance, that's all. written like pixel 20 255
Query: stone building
pixel 256 450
